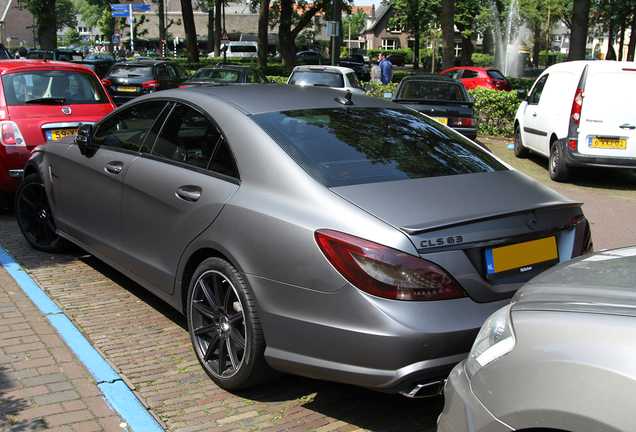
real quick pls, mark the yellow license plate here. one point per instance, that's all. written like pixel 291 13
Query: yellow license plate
pixel 442 120
pixel 610 143
pixel 56 134
pixel 127 89
pixel 522 257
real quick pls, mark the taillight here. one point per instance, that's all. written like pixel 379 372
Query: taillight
pixel 572 143
pixel 577 104
pixel 386 272
pixel 458 121
pixel 106 82
pixel 152 84
pixel 11 134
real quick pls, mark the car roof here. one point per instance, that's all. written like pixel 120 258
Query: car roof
pixel 258 98
pixel 10 66
pixel 145 62
pixel 325 68
pixel 423 77
pixel 226 66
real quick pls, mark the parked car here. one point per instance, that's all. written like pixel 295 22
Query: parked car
pixel 580 113
pixel 239 49
pixel 396 59
pixel 442 98
pixel 361 71
pixel 309 55
pixel 558 358
pixel 353 58
pixel 4 53
pixel 129 79
pixel 42 102
pixel 56 54
pixel 97 65
pixel 226 74
pixel 302 230
pixel 326 76
pixel 474 77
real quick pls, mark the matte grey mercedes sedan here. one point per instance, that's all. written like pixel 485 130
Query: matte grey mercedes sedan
pixel 302 230
pixel 559 358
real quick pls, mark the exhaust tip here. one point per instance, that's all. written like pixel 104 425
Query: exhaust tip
pixel 431 388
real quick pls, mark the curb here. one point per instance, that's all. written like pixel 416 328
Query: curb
pixel 116 393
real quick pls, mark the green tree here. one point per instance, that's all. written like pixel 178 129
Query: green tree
pixel 353 23
pixel 72 36
pixel 45 15
pixel 413 17
pixel 466 12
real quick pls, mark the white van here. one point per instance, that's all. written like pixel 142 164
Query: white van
pixel 239 49
pixel 580 113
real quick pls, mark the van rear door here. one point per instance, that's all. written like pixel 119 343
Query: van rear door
pixel 608 115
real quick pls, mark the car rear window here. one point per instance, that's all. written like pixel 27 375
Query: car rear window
pixel 317 78
pixel 348 146
pixel 130 71
pixel 50 87
pixel 431 90
pixel 495 74
pixel 218 75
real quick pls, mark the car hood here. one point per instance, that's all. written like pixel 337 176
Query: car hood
pixel 602 282
pixel 428 204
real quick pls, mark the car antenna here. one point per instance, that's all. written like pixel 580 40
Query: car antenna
pixel 46 53
pixel 346 100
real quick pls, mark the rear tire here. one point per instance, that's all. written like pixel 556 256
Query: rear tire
pixel 225 331
pixel 559 171
pixel 35 218
pixel 520 151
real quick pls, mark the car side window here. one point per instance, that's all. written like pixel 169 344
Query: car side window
pixel 470 74
pixel 535 95
pixel 353 79
pixel 171 71
pixel 129 128
pixel 187 136
pixel 180 71
pixel 453 73
pixel 162 71
pixel 254 77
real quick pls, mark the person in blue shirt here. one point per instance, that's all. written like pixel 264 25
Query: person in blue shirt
pixel 387 69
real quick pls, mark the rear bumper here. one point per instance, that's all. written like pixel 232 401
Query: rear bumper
pixel 574 158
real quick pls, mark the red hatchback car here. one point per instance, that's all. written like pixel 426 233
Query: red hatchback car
pixel 41 101
pixel 474 77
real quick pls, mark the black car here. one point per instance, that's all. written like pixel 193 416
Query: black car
pixel 361 71
pixel 353 57
pixel 56 54
pixel 99 66
pixel 223 74
pixel 131 78
pixel 442 98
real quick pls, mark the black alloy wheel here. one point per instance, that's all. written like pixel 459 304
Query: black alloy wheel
pixel 224 327
pixel 35 218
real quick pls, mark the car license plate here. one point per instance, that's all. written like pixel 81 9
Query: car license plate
pixel 611 143
pixel 442 120
pixel 126 89
pixel 56 134
pixel 521 257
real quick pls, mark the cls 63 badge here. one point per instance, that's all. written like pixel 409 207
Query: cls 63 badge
pixel 441 241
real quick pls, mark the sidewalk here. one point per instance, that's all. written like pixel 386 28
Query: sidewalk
pixel 43 384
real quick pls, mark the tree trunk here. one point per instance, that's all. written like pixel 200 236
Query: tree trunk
pixel 448 34
pixel 162 25
pixel 467 51
pixel 210 46
pixel 217 28
pixel 580 17
pixel 536 46
pixel 47 29
pixel 416 48
pixel 622 41
pixel 285 36
pixel 190 31
pixel 632 40
pixel 263 23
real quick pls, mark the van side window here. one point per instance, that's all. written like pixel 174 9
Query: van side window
pixel 535 96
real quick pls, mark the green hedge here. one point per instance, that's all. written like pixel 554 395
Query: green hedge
pixel 495 111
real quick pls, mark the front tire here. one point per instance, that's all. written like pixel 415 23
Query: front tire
pixel 559 171
pixel 520 151
pixel 224 327
pixel 34 216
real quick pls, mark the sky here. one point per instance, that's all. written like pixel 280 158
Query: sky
pixel 367 3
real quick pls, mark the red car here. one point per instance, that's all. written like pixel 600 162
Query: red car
pixel 396 59
pixel 41 102
pixel 474 77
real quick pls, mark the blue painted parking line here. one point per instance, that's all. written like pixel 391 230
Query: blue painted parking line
pixel 115 391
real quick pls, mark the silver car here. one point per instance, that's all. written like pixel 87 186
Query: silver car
pixel 302 230
pixel 560 357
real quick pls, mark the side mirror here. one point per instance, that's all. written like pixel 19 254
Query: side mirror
pixel 84 137
pixel 522 94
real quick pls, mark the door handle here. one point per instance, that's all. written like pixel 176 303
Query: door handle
pixel 627 126
pixel 114 167
pixel 189 193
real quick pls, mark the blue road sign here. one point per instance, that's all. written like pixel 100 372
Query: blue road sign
pixel 84 39
pixel 123 13
pixel 141 7
pixel 119 7
pixel 116 39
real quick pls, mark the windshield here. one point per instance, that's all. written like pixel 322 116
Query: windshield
pixel 46 87
pixel 217 75
pixel 317 78
pixel 131 71
pixel 347 146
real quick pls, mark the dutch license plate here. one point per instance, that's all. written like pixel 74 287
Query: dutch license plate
pixel 610 143
pixel 521 257
pixel 442 120
pixel 126 89
pixel 56 134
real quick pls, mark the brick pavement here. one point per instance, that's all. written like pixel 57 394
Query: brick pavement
pixel 148 343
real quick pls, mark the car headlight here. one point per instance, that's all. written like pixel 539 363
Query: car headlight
pixel 495 339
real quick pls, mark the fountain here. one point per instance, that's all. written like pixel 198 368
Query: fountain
pixel 508 40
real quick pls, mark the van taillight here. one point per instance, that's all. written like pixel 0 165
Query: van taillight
pixel 576 106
